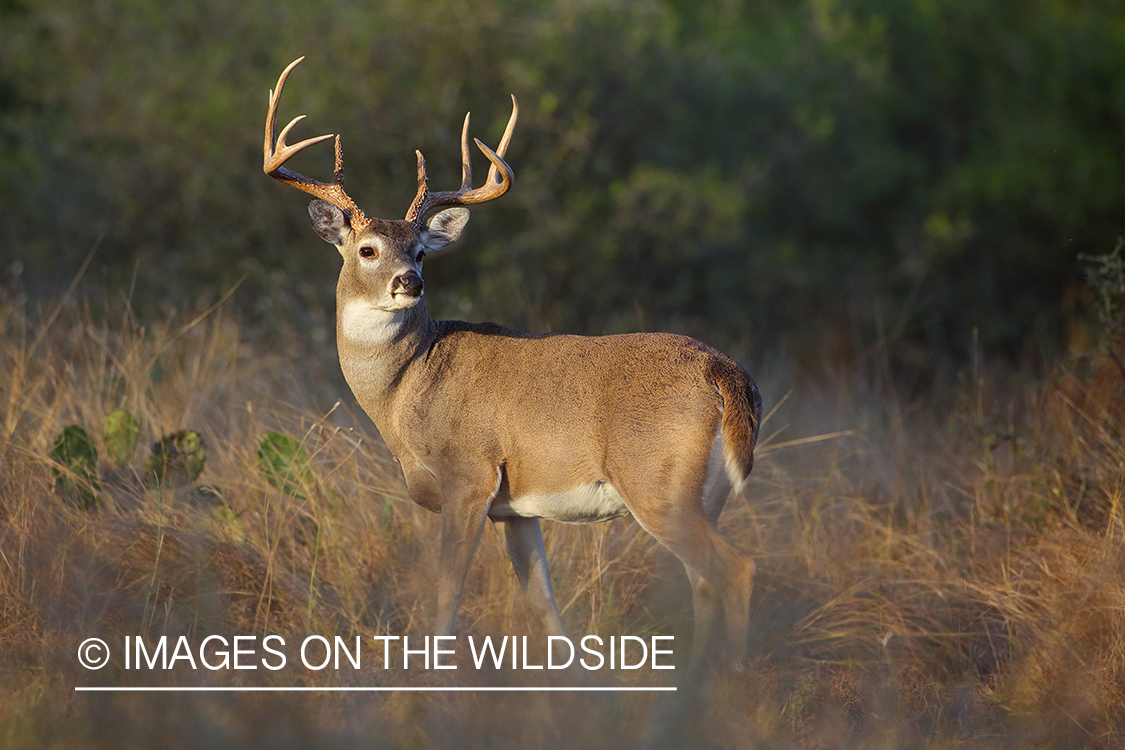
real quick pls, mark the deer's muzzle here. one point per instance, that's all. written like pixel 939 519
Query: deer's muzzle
pixel 409 283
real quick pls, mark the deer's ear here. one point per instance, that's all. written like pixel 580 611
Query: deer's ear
pixel 444 228
pixel 329 222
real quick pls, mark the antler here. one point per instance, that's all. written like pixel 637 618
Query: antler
pixel 499 179
pixel 277 152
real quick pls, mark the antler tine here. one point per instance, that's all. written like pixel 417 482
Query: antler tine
pixel 271 110
pixel 493 188
pixel 277 152
pixel 507 137
pixel 420 205
pixel 500 175
pixel 466 162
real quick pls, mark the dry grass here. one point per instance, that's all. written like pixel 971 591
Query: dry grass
pixel 944 573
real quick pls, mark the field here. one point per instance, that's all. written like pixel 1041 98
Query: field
pixel 940 569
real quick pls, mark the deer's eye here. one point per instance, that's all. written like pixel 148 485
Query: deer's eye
pixel 368 252
pixel 421 254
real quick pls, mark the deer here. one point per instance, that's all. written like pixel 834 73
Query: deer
pixel 487 422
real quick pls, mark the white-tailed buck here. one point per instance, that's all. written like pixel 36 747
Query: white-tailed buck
pixel 488 422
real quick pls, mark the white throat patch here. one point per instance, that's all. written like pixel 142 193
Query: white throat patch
pixel 363 322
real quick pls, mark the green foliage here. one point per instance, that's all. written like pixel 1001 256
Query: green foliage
pixel 177 460
pixel 76 466
pixel 285 464
pixel 745 169
pixel 120 435
pixel 1107 277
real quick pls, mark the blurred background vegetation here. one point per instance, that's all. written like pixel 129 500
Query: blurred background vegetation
pixel 811 179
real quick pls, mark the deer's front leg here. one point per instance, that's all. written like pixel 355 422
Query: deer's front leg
pixel 464 508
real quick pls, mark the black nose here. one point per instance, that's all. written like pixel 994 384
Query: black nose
pixel 409 283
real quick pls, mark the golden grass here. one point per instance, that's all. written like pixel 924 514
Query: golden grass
pixel 948 572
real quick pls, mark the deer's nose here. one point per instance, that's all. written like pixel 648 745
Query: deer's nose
pixel 409 283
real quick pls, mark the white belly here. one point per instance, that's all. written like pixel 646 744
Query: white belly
pixel 588 503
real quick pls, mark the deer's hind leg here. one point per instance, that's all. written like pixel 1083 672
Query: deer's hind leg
pixel 681 513
pixel 706 599
pixel 720 576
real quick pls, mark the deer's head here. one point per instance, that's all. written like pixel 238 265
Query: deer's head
pixel 383 258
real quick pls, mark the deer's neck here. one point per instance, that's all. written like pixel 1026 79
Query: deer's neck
pixel 378 349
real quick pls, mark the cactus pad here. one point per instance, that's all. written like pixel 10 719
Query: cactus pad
pixel 120 436
pixel 177 460
pixel 76 466
pixel 284 463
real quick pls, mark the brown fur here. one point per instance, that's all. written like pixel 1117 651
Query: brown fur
pixel 742 413
pixel 489 422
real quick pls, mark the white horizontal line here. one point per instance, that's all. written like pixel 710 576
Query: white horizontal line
pixel 130 689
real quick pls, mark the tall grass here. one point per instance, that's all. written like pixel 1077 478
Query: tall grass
pixel 940 572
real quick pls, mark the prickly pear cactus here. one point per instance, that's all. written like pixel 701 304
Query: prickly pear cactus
pixel 284 463
pixel 120 436
pixel 177 460
pixel 76 466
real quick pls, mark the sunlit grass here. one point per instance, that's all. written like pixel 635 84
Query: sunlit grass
pixel 945 572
